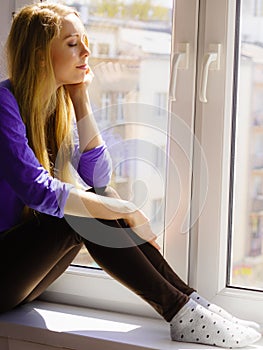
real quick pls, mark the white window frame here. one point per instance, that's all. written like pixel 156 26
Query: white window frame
pixel 213 127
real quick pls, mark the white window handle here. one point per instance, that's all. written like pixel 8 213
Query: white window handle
pixel 211 61
pixel 180 60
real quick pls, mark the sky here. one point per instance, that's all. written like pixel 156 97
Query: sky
pixel 165 3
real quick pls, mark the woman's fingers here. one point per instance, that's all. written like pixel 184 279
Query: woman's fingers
pixel 155 244
pixel 141 226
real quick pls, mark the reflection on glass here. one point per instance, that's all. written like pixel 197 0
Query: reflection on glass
pixel 130 43
pixel 247 241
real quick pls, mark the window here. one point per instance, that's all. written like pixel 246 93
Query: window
pixel 127 109
pixel 161 102
pixel 228 254
pixel 120 102
pixel 157 211
pixel 246 260
pixel 105 104
pixel 124 109
pixel 103 49
pixel 211 127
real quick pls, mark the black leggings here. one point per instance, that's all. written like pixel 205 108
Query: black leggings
pixel 35 253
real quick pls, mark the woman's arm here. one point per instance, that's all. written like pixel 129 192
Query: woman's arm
pixel 24 178
pixel 89 134
pixel 88 204
pixel 91 158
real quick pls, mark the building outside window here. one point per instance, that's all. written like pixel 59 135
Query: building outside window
pixel 103 49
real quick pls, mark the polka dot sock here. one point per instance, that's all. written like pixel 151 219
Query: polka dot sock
pixel 196 324
pixel 218 310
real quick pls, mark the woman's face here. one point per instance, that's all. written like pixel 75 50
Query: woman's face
pixel 70 52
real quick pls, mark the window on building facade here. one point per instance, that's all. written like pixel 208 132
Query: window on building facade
pixel 103 49
pixel 162 102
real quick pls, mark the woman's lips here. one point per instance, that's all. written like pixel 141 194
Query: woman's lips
pixel 84 67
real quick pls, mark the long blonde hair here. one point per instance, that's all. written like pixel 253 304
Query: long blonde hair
pixel 46 111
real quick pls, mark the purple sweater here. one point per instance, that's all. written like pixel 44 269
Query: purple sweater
pixel 24 181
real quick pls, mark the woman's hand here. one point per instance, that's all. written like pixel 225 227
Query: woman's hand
pixel 79 91
pixel 140 224
pixel 89 134
pixel 91 205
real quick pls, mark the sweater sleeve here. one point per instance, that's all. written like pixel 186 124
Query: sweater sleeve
pixel 19 166
pixel 94 166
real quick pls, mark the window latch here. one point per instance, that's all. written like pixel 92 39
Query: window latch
pixel 180 60
pixel 211 61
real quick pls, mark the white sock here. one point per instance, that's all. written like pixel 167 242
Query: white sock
pixel 223 313
pixel 196 324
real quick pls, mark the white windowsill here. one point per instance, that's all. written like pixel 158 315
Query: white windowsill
pixel 48 326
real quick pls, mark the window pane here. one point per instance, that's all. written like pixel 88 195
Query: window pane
pixel 130 44
pixel 247 220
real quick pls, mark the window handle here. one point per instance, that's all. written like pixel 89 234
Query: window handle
pixel 180 60
pixel 211 61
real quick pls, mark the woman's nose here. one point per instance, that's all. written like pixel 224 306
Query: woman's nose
pixel 85 49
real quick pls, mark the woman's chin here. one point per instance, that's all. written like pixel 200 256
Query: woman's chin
pixel 74 82
pixel 87 79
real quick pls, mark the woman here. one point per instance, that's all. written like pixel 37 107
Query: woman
pixel 46 217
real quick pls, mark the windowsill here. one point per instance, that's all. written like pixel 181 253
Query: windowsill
pixel 57 325
pixel 49 326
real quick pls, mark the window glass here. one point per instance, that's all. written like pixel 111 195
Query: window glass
pixel 246 269
pixel 130 43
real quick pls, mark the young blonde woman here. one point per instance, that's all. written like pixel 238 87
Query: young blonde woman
pixel 46 129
